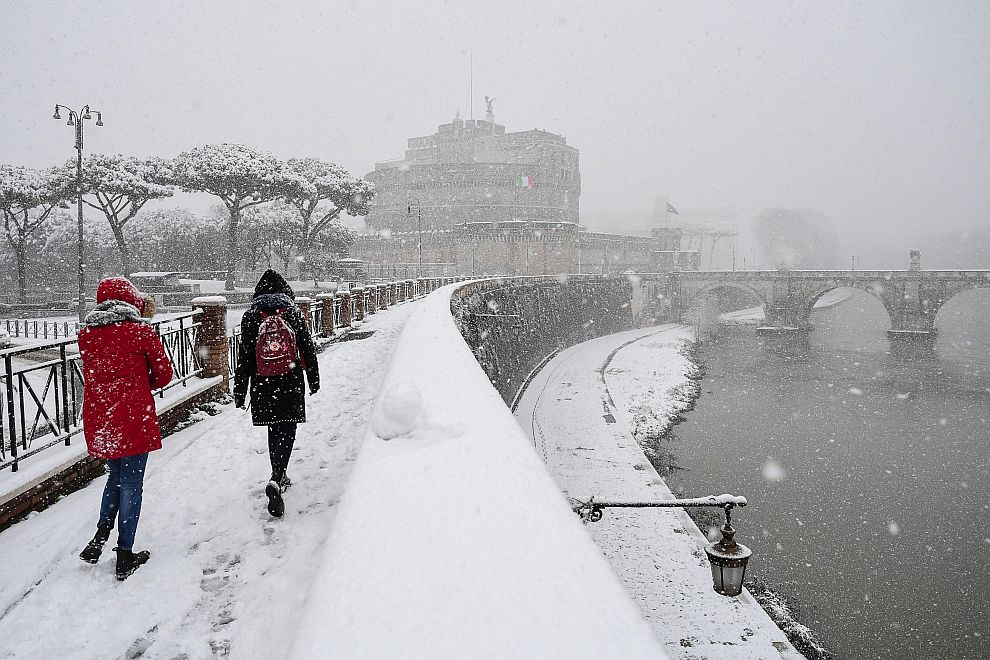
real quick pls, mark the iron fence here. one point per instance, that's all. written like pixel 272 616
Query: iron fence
pixel 234 348
pixel 180 336
pixel 40 328
pixel 41 387
pixel 316 318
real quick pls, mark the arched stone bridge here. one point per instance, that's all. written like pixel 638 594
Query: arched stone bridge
pixel 912 298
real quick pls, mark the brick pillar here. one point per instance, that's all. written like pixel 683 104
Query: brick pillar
pixel 383 296
pixel 409 290
pixel 326 301
pixel 345 308
pixel 400 291
pixel 358 293
pixel 305 304
pixel 392 293
pixel 371 292
pixel 212 342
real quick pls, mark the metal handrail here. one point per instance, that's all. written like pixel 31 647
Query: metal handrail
pixel 591 511
pixel 42 398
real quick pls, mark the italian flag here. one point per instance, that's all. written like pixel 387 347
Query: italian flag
pixel 525 182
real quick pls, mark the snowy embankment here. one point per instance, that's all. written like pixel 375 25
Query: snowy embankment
pixel 755 316
pixel 588 411
pixel 452 540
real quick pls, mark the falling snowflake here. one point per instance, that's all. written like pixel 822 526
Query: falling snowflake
pixel 772 470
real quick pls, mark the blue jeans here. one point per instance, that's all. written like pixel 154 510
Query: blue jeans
pixel 122 497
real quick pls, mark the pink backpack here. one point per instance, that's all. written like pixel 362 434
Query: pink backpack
pixel 275 352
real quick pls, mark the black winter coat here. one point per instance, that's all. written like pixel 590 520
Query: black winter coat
pixel 275 399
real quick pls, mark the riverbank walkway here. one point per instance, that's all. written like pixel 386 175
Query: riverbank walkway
pixel 579 411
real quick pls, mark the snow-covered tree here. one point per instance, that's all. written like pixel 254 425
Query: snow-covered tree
pixel 274 228
pixel 56 243
pixel 119 186
pixel 177 240
pixel 27 198
pixel 332 244
pixel 240 176
pixel 320 192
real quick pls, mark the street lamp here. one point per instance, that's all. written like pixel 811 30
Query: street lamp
pixel 728 559
pixel 76 119
pixel 419 224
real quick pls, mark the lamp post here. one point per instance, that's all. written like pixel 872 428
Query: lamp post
pixel 76 119
pixel 419 225
pixel 727 558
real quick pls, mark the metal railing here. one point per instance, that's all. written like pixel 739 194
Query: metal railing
pixel 54 372
pixel 41 387
pixel 315 318
pixel 233 348
pixel 180 337
pixel 40 328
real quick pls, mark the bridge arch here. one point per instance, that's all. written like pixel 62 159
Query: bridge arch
pixel 875 288
pixel 701 289
pixel 954 293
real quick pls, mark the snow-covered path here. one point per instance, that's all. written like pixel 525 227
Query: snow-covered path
pixel 580 410
pixel 224 577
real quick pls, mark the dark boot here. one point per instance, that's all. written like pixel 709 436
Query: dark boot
pixel 91 553
pixel 128 562
pixel 276 506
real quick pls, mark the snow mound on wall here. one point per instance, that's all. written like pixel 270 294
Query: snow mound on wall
pixel 464 544
pixel 400 407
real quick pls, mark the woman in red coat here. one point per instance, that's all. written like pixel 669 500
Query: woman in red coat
pixel 122 360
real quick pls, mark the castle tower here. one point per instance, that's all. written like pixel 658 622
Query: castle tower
pixel 473 171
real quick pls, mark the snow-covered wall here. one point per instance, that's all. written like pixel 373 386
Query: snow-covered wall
pixel 513 324
pixel 451 539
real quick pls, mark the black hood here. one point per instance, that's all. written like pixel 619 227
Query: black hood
pixel 272 282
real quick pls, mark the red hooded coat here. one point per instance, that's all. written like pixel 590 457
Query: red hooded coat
pixel 122 362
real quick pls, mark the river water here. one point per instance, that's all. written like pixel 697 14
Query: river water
pixel 867 476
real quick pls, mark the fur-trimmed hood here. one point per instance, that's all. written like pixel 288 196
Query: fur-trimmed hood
pixel 113 311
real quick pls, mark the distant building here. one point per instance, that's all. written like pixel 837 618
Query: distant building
pixel 473 171
pixel 472 199
pixel 711 232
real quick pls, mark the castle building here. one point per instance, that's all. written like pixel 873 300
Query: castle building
pixel 473 171
pixel 473 199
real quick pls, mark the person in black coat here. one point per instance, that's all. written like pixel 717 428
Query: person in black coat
pixel 277 402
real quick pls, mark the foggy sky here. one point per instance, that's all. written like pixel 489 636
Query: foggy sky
pixel 874 113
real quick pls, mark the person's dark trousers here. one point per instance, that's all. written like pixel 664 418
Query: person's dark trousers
pixel 281 437
pixel 122 497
